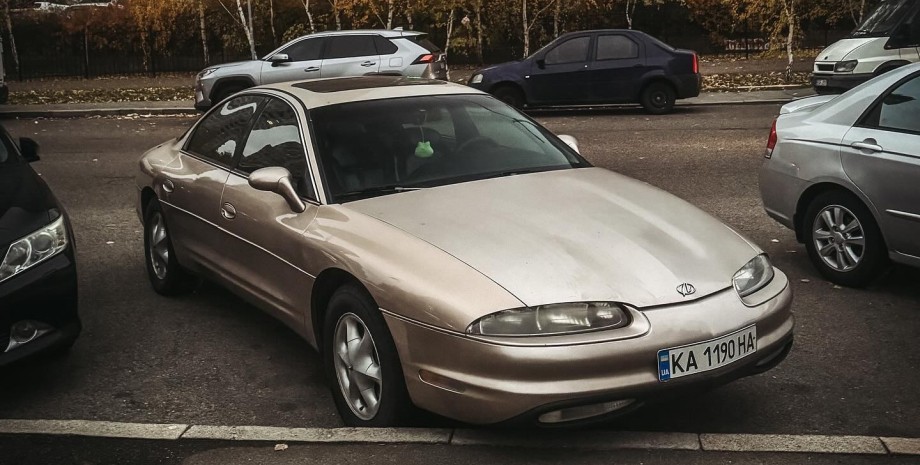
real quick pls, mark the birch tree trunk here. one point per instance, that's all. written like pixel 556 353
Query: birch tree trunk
pixel 390 14
pixel 409 15
pixel 247 27
pixel 791 19
pixel 556 17
pixel 526 28
pixel 630 9
pixel 306 7
pixel 450 30
pixel 271 19
pixel 479 30
pixel 9 28
pixel 204 34
pixel 336 14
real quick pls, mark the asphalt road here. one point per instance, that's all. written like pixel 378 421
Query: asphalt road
pixel 209 358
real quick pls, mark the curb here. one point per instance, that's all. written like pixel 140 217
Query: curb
pixel 572 439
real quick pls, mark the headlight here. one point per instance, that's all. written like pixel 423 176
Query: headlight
pixel 753 276
pixel 34 249
pixel 476 79
pixel 554 319
pixel 846 66
pixel 206 72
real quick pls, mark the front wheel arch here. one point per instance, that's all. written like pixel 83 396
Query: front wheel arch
pixel 325 285
pixel 889 66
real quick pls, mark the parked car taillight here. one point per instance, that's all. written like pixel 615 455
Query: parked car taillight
pixel 696 63
pixel 771 141
pixel 425 59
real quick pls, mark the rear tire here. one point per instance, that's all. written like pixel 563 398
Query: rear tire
pixel 843 241
pixel 658 98
pixel 166 275
pixel 361 362
pixel 510 95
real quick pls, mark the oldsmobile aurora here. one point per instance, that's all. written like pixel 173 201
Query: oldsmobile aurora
pixel 443 251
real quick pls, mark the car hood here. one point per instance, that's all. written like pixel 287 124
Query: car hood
pixel 572 235
pixel 26 203
pixel 839 50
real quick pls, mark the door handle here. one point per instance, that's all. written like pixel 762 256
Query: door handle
pixel 368 63
pixel 228 211
pixel 168 186
pixel 312 69
pixel 869 145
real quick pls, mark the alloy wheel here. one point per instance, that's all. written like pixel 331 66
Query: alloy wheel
pixel 159 246
pixel 839 238
pixel 357 366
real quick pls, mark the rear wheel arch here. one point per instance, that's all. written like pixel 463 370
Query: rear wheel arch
pixel 147 195
pixel 811 194
pixel 654 82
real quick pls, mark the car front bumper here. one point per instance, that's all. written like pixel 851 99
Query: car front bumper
pixel 46 293
pixel 830 82
pixel 484 383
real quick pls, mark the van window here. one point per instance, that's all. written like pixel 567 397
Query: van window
pixel 886 16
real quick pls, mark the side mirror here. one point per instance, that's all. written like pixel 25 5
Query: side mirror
pixel 541 63
pixel 29 149
pixel 278 180
pixel 279 58
pixel 570 141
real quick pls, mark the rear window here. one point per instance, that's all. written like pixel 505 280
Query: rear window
pixel 422 40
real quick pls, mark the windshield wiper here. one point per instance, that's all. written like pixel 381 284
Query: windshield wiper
pixel 378 190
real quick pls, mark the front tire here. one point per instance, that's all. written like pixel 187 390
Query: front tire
pixel 510 95
pixel 361 361
pixel 843 240
pixel 166 275
pixel 658 98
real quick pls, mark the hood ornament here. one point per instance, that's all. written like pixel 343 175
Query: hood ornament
pixel 686 289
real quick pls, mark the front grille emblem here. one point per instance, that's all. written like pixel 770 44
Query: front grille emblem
pixel 686 289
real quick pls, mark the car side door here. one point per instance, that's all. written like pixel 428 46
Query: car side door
pixel 881 154
pixel 559 76
pixel 617 68
pixel 191 185
pixel 350 55
pixel 305 62
pixel 264 253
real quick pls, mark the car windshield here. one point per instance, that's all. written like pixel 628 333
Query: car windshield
pixel 382 147
pixel 883 19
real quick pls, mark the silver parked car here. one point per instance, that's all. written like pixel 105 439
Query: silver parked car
pixel 324 55
pixel 843 173
pixel 443 250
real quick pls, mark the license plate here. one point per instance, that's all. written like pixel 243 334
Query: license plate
pixel 696 358
pixel 821 82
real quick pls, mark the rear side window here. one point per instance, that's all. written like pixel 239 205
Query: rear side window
pixel 350 46
pixel 221 132
pixel 899 109
pixel 384 46
pixel 422 40
pixel 571 51
pixel 305 50
pixel 616 47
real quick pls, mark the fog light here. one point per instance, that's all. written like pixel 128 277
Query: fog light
pixel 26 331
pixel 442 382
pixel 584 411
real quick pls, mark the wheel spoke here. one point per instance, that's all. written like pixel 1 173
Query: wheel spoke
pixel 162 254
pixel 828 220
pixel 851 227
pixel 850 256
pixel 369 396
pixel 823 235
pixel 838 217
pixel 827 249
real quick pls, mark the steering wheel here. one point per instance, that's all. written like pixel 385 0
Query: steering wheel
pixel 483 141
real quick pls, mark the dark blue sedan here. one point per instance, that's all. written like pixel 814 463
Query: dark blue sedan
pixel 611 66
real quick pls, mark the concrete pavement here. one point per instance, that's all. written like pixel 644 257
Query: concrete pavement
pixel 186 107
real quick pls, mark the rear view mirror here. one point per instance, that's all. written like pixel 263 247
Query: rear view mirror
pixel 29 149
pixel 278 180
pixel 541 63
pixel 570 141
pixel 279 58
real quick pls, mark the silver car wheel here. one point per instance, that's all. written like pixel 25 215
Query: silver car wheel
pixel 357 366
pixel 839 238
pixel 159 246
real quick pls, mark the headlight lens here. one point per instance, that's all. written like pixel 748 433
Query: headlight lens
pixel 846 66
pixel 206 72
pixel 554 319
pixel 753 276
pixel 34 249
pixel 476 79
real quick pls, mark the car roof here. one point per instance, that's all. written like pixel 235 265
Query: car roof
pixel 389 33
pixel 332 91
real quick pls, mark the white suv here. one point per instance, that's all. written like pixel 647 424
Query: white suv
pixel 323 55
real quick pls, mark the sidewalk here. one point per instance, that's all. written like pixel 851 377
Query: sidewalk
pixel 186 107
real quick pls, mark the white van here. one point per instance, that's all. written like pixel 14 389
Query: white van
pixel 888 38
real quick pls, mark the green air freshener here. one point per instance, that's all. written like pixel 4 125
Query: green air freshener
pixel 423 149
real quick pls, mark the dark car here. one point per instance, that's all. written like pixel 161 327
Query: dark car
pixel 38 274
pixel 597 67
